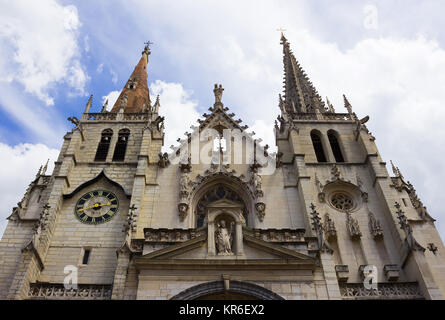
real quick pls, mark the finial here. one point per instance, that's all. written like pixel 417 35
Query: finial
pixel 39 172
pixel 157 105
pixel 104 108
pixel 347 105
pixel 89 103
pixel 45 168
pixel 218 91
pixel 396 170
pixel 331 107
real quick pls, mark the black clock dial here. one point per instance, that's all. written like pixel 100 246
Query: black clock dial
pixel 96 207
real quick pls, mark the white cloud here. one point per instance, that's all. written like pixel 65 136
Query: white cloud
pixel 114 76
pixel 111 97
pixel 18 166
pixel 39 47
pixel 86 43
pixel 178 109
pixel 100 68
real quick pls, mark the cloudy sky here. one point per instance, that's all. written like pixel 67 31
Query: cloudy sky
pixel 388 57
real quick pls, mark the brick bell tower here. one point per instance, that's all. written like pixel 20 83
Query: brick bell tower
pixel 83 216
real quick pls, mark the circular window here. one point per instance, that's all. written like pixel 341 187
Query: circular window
pixel 342 201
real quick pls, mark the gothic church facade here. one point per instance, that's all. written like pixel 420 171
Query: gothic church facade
pixel 319 219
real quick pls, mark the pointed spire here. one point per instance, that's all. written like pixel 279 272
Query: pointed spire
pixel 300 95
pixel 157 105
pixel 39 172
pixel 347 105
pixel 45 168
pixel 331 107
pixel 104 108
pixel 89 103
pixel 136 88
pixel 396 170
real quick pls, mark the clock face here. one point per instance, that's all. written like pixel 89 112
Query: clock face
pixel 96 207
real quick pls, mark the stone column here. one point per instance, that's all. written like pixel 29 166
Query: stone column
pixel 239 239
pixel 330 276
pixel 120 274
pixel 211 251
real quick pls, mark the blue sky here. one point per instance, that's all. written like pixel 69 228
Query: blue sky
pixel 388 57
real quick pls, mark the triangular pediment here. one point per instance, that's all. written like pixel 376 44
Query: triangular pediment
pixel 219 119
pixel 257 252
pixel 224 203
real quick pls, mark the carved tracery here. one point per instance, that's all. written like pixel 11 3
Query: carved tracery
pixel 218 192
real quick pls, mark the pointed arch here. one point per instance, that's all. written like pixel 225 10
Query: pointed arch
pixel 335 146
pixel 95 179
pixel 104 145
pixel 121 145
pixel 239 189
pixel 318 146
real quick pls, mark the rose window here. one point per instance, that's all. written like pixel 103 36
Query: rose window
pixel 342 201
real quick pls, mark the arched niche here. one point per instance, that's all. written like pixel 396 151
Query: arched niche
pixel 225 223
pixel 240 195
pixel 219 192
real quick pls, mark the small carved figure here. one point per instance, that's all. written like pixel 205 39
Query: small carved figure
pixel 353 226
pixel 74 120
pixel 184 183
pixel 256 181
pixel 218 91
pixel 224 238
pixel 159 122
pixel 163 160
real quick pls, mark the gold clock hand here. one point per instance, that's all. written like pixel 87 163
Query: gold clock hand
pixel 95 206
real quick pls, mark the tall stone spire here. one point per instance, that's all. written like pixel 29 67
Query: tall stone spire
pixel 136 88
pixel 300 96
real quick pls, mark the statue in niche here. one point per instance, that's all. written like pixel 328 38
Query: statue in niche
pixel 184 183
pixel 224 238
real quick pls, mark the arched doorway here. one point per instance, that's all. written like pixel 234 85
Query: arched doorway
pixel 238 290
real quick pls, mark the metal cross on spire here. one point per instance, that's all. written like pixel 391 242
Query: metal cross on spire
pixel 281 30
pixel 147 47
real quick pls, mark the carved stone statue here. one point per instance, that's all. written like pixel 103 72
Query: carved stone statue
pixel 163 160
pixel 353 227
pixel 218 91
pixel 224 238
pixel 184 184
pixel 256 180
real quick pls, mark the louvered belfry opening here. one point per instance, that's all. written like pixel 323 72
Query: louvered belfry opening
pixel 336 150
pixel 318 147
pixel 121 145
pixel 104 145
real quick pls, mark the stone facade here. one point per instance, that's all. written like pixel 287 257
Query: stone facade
pixel 306 222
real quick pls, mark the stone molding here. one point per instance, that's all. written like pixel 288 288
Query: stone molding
pixel 58 291
pixel 398 291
